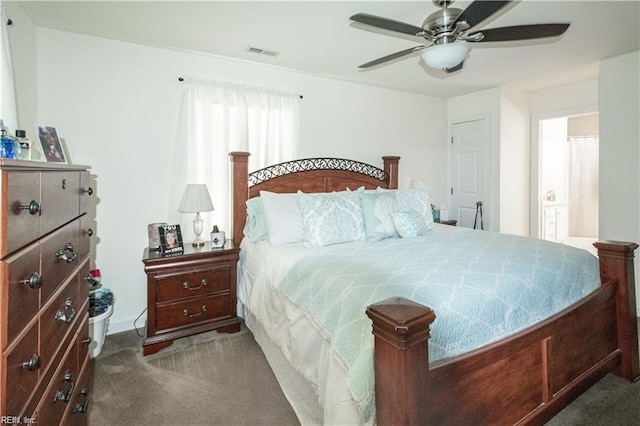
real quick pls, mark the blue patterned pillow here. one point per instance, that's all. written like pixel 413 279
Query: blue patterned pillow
pixel 414 199
pixel 409 224
pixel 376 210
pixel 331 218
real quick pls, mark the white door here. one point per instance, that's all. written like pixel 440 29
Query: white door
pixel 469 175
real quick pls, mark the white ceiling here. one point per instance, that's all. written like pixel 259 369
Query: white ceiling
pixel 317 37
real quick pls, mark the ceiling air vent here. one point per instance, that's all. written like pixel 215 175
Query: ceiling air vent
pixel 259 51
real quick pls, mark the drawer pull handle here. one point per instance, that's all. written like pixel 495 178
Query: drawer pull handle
pixel 33 207
pixel 65 396
pixel 68 314
pixel 33 281
pixel 87 340
pixel 187 314
pixel 88 232
pixel 62 253
pixel 33 363
pixel 82 408
pixel 88 191
pixel 186 285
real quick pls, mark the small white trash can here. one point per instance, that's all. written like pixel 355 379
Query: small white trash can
pixel 98 327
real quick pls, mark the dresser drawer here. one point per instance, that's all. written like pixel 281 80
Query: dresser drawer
pixel 58 319
pixel 194 311
pixel 23 291
pixel 20 225
pixel 58 395
pixel 60 199
pixel 178 286
pixel 22 366
pixel 78 408
pixel 61 254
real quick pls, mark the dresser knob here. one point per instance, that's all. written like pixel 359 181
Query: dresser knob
pixel 88 232
pixel 88 191
pixel 68 314
pixel 33 363
pixel 33 281
pixel 187 314
pixel 68 253
pixel 33 207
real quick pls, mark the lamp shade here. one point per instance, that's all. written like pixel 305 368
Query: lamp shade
pixel 445 56
pixel 196 199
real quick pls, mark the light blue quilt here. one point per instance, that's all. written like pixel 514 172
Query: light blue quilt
pixel 481 285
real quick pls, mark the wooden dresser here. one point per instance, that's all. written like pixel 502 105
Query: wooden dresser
pixel 190 293
pixel 44 329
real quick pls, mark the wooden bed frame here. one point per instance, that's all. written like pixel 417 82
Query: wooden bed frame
pixel 526 378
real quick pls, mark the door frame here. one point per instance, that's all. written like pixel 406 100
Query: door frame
pixel 536 151
pixel 488 160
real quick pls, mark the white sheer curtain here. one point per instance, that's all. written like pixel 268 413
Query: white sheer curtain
pixel 8 108
pixel 583 186
pixel 217 118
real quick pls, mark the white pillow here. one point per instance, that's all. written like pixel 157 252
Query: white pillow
pixel 283 217
pixel 331 218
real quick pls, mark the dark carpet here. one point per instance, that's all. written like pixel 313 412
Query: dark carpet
pixel 213 379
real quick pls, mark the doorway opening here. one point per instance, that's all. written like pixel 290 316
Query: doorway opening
pixel 568 180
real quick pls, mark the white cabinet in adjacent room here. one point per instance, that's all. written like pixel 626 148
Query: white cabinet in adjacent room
pixel 555 222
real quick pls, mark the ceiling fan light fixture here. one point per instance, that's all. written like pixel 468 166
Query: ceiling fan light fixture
pixel 445 56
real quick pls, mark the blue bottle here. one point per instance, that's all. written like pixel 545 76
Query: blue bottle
pixel 9 146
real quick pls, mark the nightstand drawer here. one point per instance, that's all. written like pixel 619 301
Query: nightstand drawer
pixel 195 311
pixel 179 286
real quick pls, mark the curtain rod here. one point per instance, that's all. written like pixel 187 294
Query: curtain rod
pixel 181 79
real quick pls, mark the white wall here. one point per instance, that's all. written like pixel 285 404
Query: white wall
pixel 514 162
pixel 116 106
pixel 619 89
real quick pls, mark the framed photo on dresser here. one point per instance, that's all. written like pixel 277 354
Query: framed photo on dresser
pixel 170 239
pixel 51 145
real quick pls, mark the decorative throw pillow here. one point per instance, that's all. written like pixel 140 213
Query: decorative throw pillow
pixel 376 211
pixel 415 199
pixel 409 224
pixel 255 228
pixel 331 218
pixel 283 218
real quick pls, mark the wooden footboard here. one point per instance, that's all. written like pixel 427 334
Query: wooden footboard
pixel 524 379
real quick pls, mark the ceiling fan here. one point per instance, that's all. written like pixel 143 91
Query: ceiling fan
pixel 448 30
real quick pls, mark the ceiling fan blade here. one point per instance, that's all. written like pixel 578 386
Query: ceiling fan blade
pixel 456 68
pixel 480 10
pixel 522 32
pixel 392 56
pixel 387 24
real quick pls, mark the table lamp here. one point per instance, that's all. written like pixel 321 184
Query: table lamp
pixel 196 199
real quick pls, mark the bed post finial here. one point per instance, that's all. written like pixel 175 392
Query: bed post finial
pixel 240 191
pixel 391 167
pixel 401 352
pixel 616 263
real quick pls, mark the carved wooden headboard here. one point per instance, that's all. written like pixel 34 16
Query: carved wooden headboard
pixel 307 175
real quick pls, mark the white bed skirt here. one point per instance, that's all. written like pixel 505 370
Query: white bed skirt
pixel 313 405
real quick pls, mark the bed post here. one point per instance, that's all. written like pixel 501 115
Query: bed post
pixel 240 191
pixel 616 263
pixel 401 330
pixel 391 167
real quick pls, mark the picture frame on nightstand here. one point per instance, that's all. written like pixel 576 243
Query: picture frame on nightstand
pixel 170 239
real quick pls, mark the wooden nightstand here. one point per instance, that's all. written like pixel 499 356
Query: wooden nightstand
pixel 451 222
pixel 190 293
